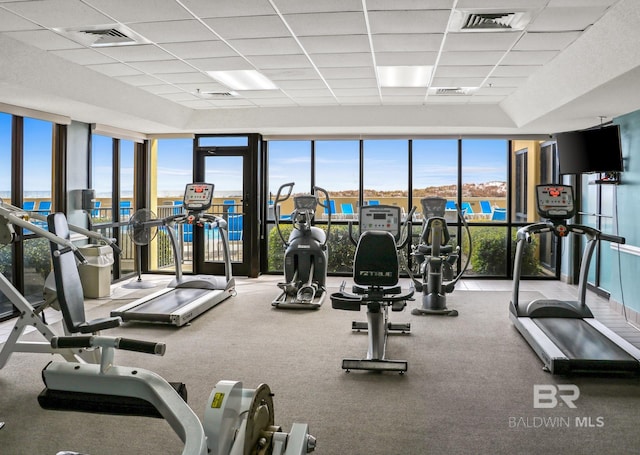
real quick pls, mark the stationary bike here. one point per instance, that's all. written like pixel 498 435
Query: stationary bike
pixel 237 421
pixel 376 271
pixel 436 257
pixel 306 254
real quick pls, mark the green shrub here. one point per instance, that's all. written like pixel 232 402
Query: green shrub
pixel 37 256
pixel 488 256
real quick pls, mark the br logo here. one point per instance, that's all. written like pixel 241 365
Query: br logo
pixel 546 396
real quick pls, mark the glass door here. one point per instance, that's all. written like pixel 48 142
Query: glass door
pixel 229 168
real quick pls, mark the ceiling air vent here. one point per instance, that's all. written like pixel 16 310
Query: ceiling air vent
pixel 103 35
pixel 451 91
pixel 216 95
pixel 489 21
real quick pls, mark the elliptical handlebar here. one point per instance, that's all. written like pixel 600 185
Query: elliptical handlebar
pixel 326 205
pixel 276 208
pixel 126 344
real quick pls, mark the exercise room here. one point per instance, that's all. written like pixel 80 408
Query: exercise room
pixel 340 227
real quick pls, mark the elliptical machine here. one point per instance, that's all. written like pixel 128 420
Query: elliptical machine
pixel 436 257
pixel 306 254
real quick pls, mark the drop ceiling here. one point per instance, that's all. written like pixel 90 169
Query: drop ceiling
pixel 543 66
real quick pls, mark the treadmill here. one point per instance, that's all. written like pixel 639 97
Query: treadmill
pixel 186 297
pixel 564 334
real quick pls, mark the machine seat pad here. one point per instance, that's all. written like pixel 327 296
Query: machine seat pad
pixel 342 301
pixel 96 325
pixel 62 400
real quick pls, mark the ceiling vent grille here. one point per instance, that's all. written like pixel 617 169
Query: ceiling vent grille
pixel 216 95
pixel 451 91
pixel 103 35
pixel 485 21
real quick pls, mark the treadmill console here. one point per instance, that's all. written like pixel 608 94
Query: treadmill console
pixel 555 201
pixel 198 196
pixel 381 218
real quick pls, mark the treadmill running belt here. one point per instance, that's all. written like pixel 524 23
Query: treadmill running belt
pixel 165 304
pixel 580 341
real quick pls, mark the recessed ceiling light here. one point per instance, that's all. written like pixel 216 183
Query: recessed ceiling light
pixel 243 80
pixel 404 76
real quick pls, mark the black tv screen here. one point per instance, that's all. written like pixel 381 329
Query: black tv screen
pixel 589 151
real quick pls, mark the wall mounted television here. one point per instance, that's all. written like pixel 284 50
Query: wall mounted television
pixel 590 151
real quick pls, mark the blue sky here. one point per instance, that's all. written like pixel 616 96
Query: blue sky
pixel 386 162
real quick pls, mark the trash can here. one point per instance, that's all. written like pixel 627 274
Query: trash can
pixel 96 273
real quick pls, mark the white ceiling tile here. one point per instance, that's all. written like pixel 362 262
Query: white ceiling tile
pixel 220 64
pixel 302 84
pixel 289 74
pixel 448 99
pixel 541 41
pixel 139 53
pixel 316 101
pixel 506 81
pixel 565 19
pixel 197 104
pixel 470 58
pixel 274 102
pixel 313 6
pixel 500 5
pixel 374 5
pixel 173 31
pixel 335 44
pixel 140 80
pixel 364 91
pixel 140 10
pixel 260 94
pixel 280 61
pixel 200 49
pixel 12 22
pixel 162 66
pixel 414 21
pixel 193 77
pixel 83 56
pixel 495 91
pixel 232 103
pixel 248 27
pixel 266 46
pixel 229 8
pixel 352 83
pixel 179 96
pixel 528 57
pixel 366 72
pixel 342 60
pixel 457 81
pixel 304 93
pixel 515 70
pixel 160 89
pixel 59 13
pixel 114 69
pixel 580 3
pixel 407 42
pixel 44 39
pixel 406 58
pixel 399 100
pixel 404 91
pixel 327 24
pixel 486 41
pixel 463 71
pixel 211 86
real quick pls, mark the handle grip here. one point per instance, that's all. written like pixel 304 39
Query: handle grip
pixel 127 344
pixel 613 238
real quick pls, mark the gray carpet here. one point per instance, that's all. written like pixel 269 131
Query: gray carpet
pixel 468 390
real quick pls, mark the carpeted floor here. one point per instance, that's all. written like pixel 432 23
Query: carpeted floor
pixel 468 389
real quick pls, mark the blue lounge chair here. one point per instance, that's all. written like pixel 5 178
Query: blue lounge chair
pixel 125 209
pixel 28 206
pixel 466 208
pixel 450 205
pixel 44 207
pixel 332 205
pixel 234 227
pixel 499 214
pixel 374 202
pixel 95 213
pixel 230 206
pixel 486 208
pixel 347 210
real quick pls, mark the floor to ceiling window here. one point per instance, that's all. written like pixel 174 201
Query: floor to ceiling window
pixel 6 258
pixel 471 174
